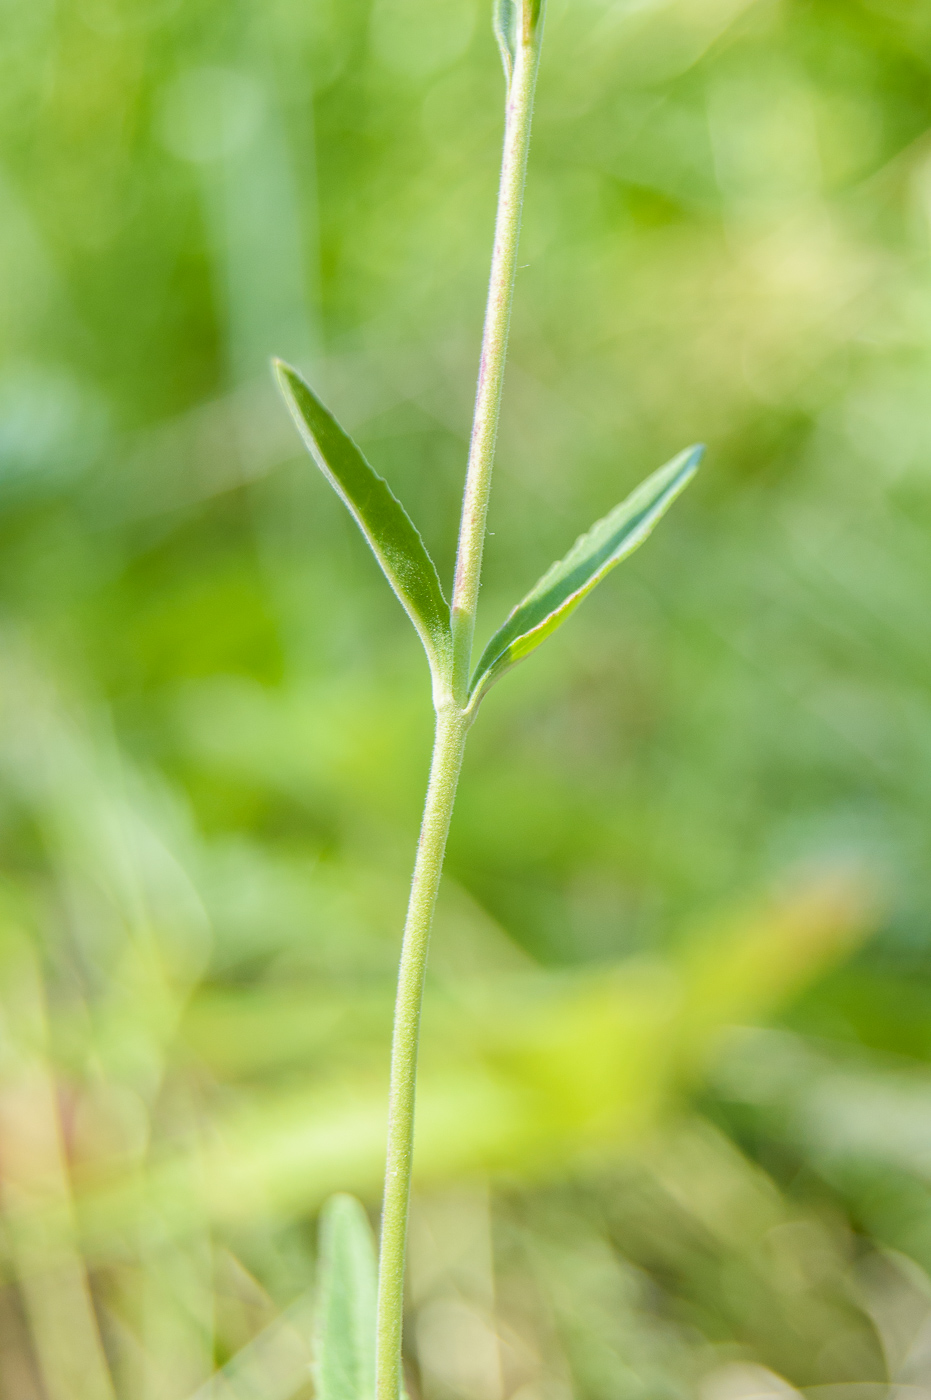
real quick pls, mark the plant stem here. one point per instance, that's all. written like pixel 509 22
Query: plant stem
pixel 448 746
pixel 519 114
pixel 452 720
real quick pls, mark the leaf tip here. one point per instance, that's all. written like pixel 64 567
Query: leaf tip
pixel 283 373
pixel 693 457
pixel 290 385
pixel 687 463
pixel 341 1203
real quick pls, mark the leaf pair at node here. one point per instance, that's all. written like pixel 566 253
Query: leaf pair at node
pixel 402 554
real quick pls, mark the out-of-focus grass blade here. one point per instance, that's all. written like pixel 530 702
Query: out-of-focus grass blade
pixel 545 1070
pixel 273 1365
pixel 344 1366
pixel 567 582
pixel 392 535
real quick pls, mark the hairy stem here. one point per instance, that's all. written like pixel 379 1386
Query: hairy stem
pixel 448 745
pixel 453 716
pixel 494 352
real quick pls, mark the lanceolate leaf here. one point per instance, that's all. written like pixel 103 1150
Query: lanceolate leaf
pixel 533 13
pixel 505 24
pixel 508 18
pixel 592 556
pixel 344 1362
pixel 392 535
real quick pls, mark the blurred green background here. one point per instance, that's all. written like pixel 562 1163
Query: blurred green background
pixel 675 1133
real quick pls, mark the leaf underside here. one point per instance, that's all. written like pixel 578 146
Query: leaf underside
pixel 394 539
pixel 344 1362
pixel 572 578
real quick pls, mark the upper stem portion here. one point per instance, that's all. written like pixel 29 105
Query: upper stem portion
pixel 519 113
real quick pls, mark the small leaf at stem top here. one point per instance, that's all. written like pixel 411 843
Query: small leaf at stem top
pixel 344 1361
pixel 386 525
pixel 567 582
pixel 505 25
pixel 514 22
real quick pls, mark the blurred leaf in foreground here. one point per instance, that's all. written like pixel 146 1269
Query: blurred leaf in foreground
pixel 344 1365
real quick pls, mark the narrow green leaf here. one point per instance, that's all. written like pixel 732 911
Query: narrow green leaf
pixel 505 25
pixel 514 22
pixel 533 10
pixel 392 535
pixel 344 1360
pixel 567 582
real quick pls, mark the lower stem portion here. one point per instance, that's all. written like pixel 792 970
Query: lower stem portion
pixel 448 746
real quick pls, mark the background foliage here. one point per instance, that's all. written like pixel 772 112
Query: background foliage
pixel 676 1126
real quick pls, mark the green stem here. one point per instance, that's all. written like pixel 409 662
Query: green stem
pixel 448 746
pixel 494 352
pixel 453 717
